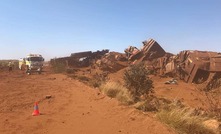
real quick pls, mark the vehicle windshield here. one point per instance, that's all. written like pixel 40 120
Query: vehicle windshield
pixel 35 59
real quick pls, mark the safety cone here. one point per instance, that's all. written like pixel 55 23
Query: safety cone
pixel 36 111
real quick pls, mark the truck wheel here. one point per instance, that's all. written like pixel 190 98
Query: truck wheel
pixel 28 71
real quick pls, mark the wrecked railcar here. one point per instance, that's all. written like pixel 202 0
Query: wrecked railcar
pixel 149 51
pixel 195 66
pixel 152 50
pixel 191 66
pixel 80 59
pixel 112 62
pixel 152 54
pixel 132 52
pixel 89 54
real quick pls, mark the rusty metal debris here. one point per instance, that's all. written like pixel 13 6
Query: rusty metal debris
pixel 81 59
pixel 198 66
pixel 149 51
pixel 172 81
pixel 112 62
pixel 190 66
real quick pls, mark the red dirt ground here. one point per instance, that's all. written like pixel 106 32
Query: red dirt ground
pixel 187 93
pixel 73 109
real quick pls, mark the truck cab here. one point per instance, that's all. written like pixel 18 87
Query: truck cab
pixel 32 63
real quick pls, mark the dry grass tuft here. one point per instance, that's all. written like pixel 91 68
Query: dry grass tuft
pixel 116 90
pixel 184 121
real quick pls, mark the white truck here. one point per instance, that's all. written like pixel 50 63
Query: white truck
pixel 32 63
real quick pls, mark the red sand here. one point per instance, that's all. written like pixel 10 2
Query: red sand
pixel 74 108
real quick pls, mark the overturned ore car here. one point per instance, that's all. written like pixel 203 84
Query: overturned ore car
pixel 197 66
pixel 190 66
pixel 112 62
pixel 149 51
pixel 80 59
pixel 152 50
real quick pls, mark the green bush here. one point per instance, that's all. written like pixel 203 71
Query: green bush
pixel 137 81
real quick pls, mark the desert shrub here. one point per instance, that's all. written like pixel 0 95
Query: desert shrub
pixel 83 78
pixel 184 121
pixel 95 83
pixel 116 90
pixel 58 67
pixel 213 99
pixel 15 64
pixel 214 83
pixel 98 79
pixel 153 103
pixel 4 64
pixel 71 71
pixel 147 105
pixel 137 81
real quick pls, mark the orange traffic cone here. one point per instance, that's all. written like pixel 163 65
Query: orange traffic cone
pixel 36 111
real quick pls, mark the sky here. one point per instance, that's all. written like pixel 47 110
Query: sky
pixel 57 28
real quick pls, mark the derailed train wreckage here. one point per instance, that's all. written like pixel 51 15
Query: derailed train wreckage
pixel 190 66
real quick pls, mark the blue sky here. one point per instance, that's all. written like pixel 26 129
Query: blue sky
pixel 57 28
